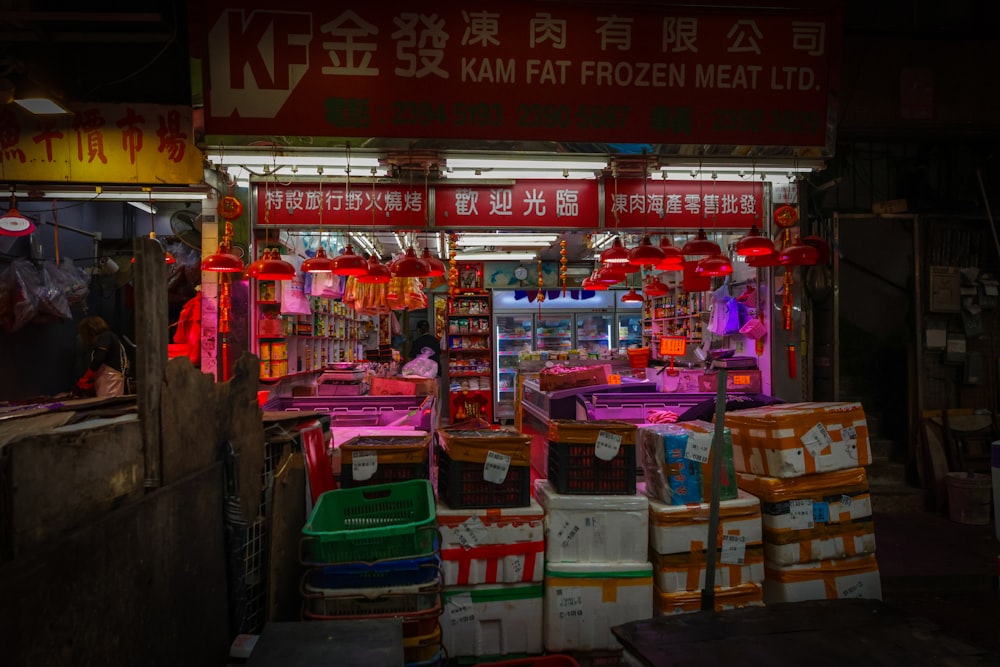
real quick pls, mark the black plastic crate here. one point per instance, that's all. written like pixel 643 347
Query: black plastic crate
pixel 461 485
pixel 386 473
pixel 574 468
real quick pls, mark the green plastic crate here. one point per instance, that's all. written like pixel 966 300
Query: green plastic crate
pixel 369 523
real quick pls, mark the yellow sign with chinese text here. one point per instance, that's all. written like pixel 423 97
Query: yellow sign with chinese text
pixel 101 144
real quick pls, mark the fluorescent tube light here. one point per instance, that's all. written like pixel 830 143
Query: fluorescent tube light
pixel 143 206
pixel 42 106
pixel 494 256
pixel 266 159
pixel 505 240
pixel 102 194
pixel 517 163
pixel 510 175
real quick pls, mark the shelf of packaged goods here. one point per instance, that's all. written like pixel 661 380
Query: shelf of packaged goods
pixel 469 349
pixel 555 335
pixel 507 390
pixel 503 337
pixel 468 314
pixel 507 370
pixel 604 338
pixel 468 333
pixel 463 374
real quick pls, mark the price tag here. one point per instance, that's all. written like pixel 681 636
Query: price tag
pixel 821 512
pixel 849 433
pixel 734 549
pixel 496 467
pixel 699 446
pixel 845 501
pixel 614 378
pixel 363 465
pixel 816 439
pixel 801 514
pixel 460 610
pixel 471 533
pixel 607 445
pixel 569 604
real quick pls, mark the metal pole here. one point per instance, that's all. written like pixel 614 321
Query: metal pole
pixel 708 592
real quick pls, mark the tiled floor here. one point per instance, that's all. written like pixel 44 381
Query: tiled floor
pixel 944 571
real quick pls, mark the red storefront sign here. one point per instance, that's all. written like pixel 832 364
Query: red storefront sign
pixel 395 206
pixel 526 204
pixel 682 204
pixel 519 70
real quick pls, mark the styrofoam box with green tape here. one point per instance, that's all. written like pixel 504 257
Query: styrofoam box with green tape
pixel 492 619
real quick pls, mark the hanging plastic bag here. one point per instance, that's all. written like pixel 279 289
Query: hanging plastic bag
pixel 52 301
pixel 294 300
pixel 19 295
pixel 422 366
pixel 724 318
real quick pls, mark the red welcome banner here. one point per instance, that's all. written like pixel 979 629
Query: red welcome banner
pixel 300 204
pixel 561 204
pixel 682 204
pixel 502 70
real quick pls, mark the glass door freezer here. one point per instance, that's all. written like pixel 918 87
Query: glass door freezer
pixel 513 334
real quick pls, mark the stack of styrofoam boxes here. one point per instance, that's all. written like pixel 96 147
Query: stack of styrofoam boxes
pixel 597 572
pixel 371 552
pixel 492 545
pixel 676 463
pixel 805 463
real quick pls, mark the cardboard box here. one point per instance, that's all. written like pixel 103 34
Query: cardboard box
pixel 580 377
pixel 796 439
pixel 404 386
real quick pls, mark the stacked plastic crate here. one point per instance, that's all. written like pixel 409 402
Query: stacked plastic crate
pixel 677 465
pixel 597 571
pixel 677 468
pixel 372 552
pixel 492 545
pixel 805 463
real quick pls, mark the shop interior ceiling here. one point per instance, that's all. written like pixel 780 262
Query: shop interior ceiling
pixel 73 53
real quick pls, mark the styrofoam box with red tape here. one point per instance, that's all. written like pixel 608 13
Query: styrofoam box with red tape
pixel 492 619
pixel 583 601
pixel 855 577
pixel 492 546
pixel 594 529
pixel 675 529
pixel 795 439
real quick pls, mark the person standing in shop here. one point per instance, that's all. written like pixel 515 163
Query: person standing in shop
pixel 105 374
pixel 424 340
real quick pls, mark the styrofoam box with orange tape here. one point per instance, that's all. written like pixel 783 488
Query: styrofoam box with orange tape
pixel 583 601
pixel 677 529
pixel 855 577
pixel 492 546
pixel 688 602
pixel 492 619
pixel 594 529
pixel 674 573
pixel 816 517
pixel 795 439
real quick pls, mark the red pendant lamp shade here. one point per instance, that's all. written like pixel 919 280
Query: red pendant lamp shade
pixel 700 245
pixel 410 266
pixel 627 269
pixel 646 254
pixel 616 254
pixel 655 287
pixel 716 265
pixel 319 263
pixel 631 296
pixel 671 253
pixel 592 284
pixel 798 254
pixel 609 275
pixel 754 243
pixel 764 261
pixel 822 247
pixel 223 260
pixel 270 266
pixel 378 273
pixel 436 266
pixel 349 264
pixel 12 223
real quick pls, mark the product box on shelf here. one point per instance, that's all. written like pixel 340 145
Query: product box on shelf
pixel 795 439
pixel 592 457
pixel 594 528
pixel 379 459
pixel 492 619
pixel 855 577
pixel 484 468
pixel 815 517
pixel 489 546
pixel 583 601
pixel 677 529
pixel 688 602
pixel 674 573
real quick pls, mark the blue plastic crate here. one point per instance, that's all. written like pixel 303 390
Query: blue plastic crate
pixel 395 572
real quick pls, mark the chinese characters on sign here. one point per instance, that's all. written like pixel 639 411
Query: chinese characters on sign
pixel 509 70
pixel 128 143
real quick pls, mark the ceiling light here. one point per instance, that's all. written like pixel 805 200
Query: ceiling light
pixel 513 175
pixel 100 193
pixel 378 273
pixel 144 207
pixel 222 260
pixel 435 266
pixel 13 223
pixel 266 158
pixel 318 263
pixel 798 254
pixel 506 240
pixel 700 245
pixel 716 265
pixel 410 266
pixel 616 254
pixel 632 296
pixel 348 263
pixel 498 256
pixel 645 254
pixel 754 243
pixel 270 266
pixel 520 163
pixel 42 106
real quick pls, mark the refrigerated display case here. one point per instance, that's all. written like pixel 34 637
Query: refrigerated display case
pixel 630 329
pixel 593 332
pixel 513 335
pixel 554 333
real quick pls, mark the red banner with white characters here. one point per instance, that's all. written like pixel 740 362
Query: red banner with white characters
pixel 299 204
pixel 501 70
pixel 524 205
pixel 682 204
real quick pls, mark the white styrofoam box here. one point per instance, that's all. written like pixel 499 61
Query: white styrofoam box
pixel 492 546
pixel 677 529
pixel 687 602
pixel 492 619
pixel 815 517
pixel 594 529
pixel 674 573
pixel 583 601
pixel 855 577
